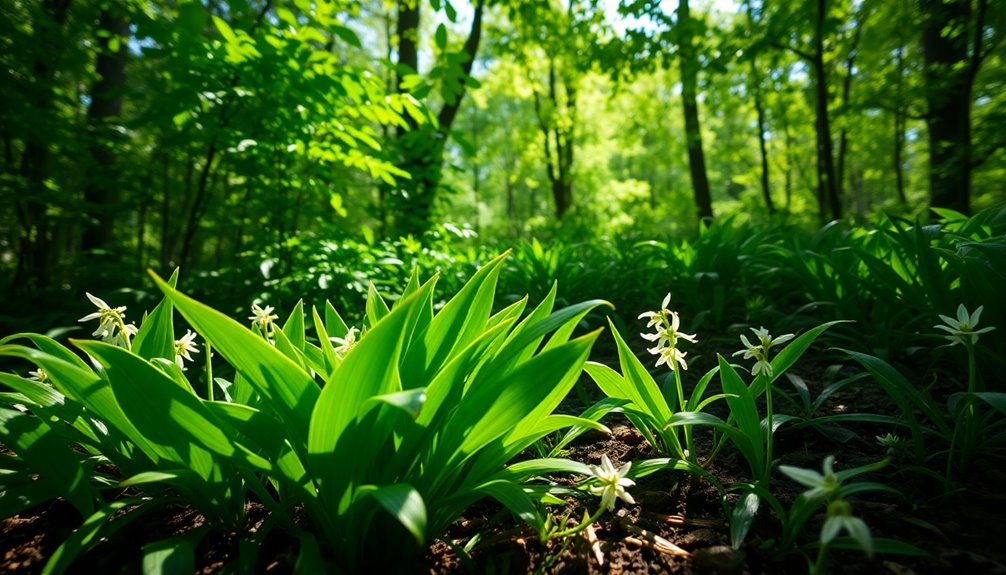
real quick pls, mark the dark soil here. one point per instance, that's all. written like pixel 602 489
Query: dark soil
pixel 677 525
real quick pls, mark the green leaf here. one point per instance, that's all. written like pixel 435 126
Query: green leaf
pixel 287 388
pixel 497 405
pixel 458 323
pixel 309 559
pixel 174 556
pixel 410 400
pixel 85 386
pixel 376 307
pixel 441 36
pixel 789 355
pixel 370 369
pixel 516 500
pixel 745 412
pixel 47 455
pixel 406 505
pixel 294 327
pixel 156 337
pixel 95 525
pixel 641 388
pixel 171 419
pixel 743 517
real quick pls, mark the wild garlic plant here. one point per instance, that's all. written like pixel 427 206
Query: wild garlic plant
pixel 605 481
pixel 377 435
pixel 831 490
pixel 967 429
pixel 668 337
pixel 635 393
pixel 961 428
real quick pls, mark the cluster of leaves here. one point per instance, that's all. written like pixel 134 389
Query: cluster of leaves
pixel 418 419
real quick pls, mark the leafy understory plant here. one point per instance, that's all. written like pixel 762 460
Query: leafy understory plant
pixel 396 432
pixel 831 490
pixel 963 431
pixel 635 393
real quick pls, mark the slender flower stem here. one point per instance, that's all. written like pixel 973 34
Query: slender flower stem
pixel 689 444
pixel 822 554
pixel 581 526
pixel 768 418
pixel 209 371
pixel 971 429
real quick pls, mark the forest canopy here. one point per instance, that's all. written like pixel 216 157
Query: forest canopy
pixel 170 133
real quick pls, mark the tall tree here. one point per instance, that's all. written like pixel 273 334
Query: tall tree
pixel 689 64
pixel 421 149
pixel 35 239
pixel 101 191
pixel 955 43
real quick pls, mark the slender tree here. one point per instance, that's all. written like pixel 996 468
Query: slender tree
pixel 101 192
pixel 955 43
pixel 689 63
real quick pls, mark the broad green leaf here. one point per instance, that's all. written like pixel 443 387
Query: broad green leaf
pixel 495 407
pixel 334 324
pixel 745 413
pixel 743 517
pixel 225 30
pixel 47 455
pixel 96 525
pixel 169 418
pixel 309 559
pixel 294 327
pixel 85 386
pixel 156 336
pixel 174 556
pixel 49 346
pixel 376 307
pixel 406 505
pixel 409 401
pixel 643 391
pixel 287 388
pixel 611 383
pixel 461 320
pixel 788 355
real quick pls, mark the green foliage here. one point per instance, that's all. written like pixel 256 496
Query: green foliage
pixel 440 401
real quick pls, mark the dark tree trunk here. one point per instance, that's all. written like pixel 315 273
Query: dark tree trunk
pixel 422 148
pixel 850 65
pixel 101 193
pixel 559 140
pixel 34 243
pixel 693 130
pixel 949 77
pixel 900 118
pixel 762 145
pixel 829 202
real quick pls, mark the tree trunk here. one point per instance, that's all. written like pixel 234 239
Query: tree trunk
pixel 693 131
pixel 34 246
pixel 762 144
pixel 949 76
pixel 422 148
pixel 828 198
pixel 850 64
pixel 101 193
pixel 559 140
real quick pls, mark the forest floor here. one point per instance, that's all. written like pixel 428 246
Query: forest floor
pixel 677 525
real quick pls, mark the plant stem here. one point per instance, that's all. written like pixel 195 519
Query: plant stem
pixel 578 528
pixel 769 433
pixel 209 371
pixel 689 445
pixel 822 554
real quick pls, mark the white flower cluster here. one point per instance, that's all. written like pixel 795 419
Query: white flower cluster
pixel 760 351
pixel 112 326
pixel 666 335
